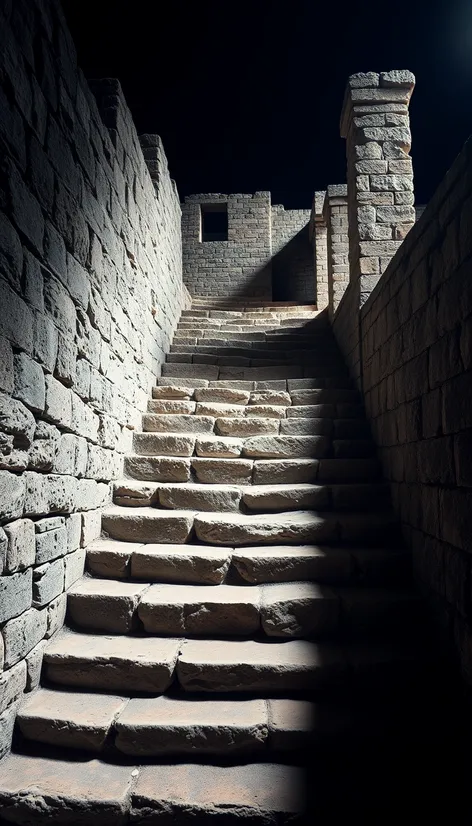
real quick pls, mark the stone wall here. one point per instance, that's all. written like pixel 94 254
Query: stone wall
pixel 416 363
pixel 293 277
pixel 319 240
pixel 240 265
pixel 335 214
pixel 90 293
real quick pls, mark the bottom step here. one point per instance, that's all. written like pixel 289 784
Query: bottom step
pixel 40 791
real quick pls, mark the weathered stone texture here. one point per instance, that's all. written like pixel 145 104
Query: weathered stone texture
pixel 409 350
pixel 240 265
pixel 90 293
pixel 293 276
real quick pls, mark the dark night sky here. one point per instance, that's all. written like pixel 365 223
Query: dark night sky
pixel 247 96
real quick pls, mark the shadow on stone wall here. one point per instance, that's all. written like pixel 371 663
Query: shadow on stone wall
pixel 293 277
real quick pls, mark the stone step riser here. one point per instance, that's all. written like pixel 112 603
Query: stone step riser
pixel 261 438
pixel 251 349
pixel 108 663
pixel 212 372
pixel 277 358
pixel 163 726
pixel 141 524
pixel 286 611
pixel 283 385
pixel 263 499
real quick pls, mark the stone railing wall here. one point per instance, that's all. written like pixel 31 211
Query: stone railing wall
pixel 319 240
pixel 335 214
pixel 404 325
pixel 90 293
pixel 375 122
pixel 416 333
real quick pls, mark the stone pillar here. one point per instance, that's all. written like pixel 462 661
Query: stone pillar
pixel 335 214
pixel 319 239
pixel 376 125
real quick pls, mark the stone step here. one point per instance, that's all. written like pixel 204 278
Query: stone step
pixel 227 468
pixel 70 719
pixel 186 496
pixel 250 357
pixel 147 524
pixel 107 794
pixel 293 665
pixel 279 345
pixel 111 663
pixel 193 564
pixel 282 610
pixel 190 372
pixel 157 726
pixel 199 496
pixel 327 565
pixel 154 423
pixel 314 383
pixel 203 564
pixel 297 527
pixel 157 468
pixel 164 725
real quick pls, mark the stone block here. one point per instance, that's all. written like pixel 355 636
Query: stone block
pixel 58 402
pixel 91 527
pixel 34 662
pixel 71 455
pixel 74 565
pixel 15 594
pixel 3 549
pixel 74 530
pixel 7 722
pixel 56 615
pixel 22 633
pixel 11 254
pixel 12 494
pixel 12 684
pixel 21 548
pixel 43 450
pixel 16 420
pixel 25 209
pixel 51 545
pixel 48 582
pixel 66 360
pixel 44 341
pixel 6 365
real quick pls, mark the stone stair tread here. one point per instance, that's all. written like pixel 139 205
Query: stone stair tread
pixel 291 526
pixel 160 725
pixel 116 663
pixel 69 719
pixel 229 497
pixel 258 792
pixel 258 564
pixel 281 563
pixel 201 609
pixel 181 563
pixel 240 665
pixel 107 793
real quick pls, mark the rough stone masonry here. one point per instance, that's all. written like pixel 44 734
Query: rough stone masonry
pixel 91 290
pixel 256 453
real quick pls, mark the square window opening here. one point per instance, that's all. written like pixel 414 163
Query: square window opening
pixel 214 221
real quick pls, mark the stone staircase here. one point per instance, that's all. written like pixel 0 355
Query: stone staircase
pixel 246 620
